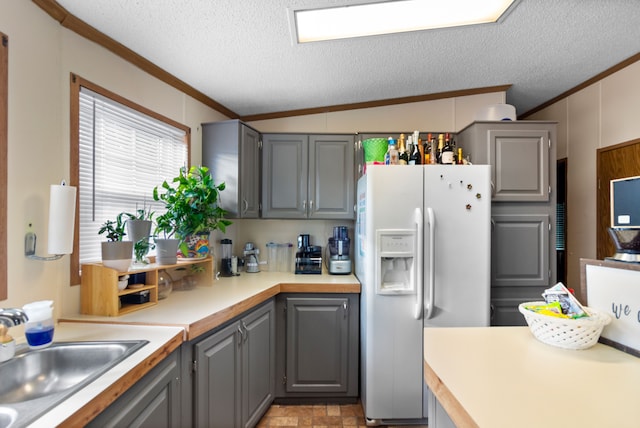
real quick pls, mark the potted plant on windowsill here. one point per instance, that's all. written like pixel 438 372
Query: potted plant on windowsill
pixel 139 232
pixel 116 253
pixel 192 202
pixel 167 245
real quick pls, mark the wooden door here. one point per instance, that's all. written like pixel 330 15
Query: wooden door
pixel 619 161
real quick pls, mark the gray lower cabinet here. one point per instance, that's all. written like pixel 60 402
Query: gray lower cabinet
pixel 308 176
pixel 231 150
pixel 318 343
pixel 523 209
pixel 234 371
pixel 152 402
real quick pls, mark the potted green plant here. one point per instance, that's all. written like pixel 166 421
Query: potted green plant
pixel 192 203
pixel 139 231
pixel 166 244
pixel 116 253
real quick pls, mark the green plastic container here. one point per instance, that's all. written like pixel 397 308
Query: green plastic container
pixel 375 149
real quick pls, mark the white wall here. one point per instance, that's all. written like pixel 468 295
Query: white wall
pixel 42 54
pixel 449 114
pixel 601 115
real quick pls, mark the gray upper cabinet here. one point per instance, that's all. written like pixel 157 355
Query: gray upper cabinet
pixel 284 175
pixel 308 176
pixel 331 177
pixel 519 153
pixel 231 150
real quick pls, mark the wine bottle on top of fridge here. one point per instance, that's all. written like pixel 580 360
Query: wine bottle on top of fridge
pixel 447 156
pixel 416 157
pixel 402 151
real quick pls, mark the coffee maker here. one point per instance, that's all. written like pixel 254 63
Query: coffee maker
pixel 251 262
pixel 339 261
pixel 308 257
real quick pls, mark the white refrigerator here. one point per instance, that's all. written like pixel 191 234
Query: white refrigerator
pixel 422 248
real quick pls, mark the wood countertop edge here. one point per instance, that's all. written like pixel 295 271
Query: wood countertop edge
pixel 110 394
pixel 451 405
pixel 199 328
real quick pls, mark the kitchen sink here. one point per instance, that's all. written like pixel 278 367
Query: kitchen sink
pixel 36 380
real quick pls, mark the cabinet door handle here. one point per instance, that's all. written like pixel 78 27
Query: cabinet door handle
pixel 346 309
pixel 304 205
pixel 240 336
pixel 311 205
pixel 244 331
pixel 246 206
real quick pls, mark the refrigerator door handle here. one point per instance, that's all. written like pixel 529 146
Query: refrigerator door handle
pixel 432 264
pixel 419 280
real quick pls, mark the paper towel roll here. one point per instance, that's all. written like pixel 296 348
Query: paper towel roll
pixel 62 216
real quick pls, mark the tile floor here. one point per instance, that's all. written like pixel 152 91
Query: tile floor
pixel 313 415
pixel 316 416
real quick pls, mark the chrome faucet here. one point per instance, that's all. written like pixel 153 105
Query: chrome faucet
pixel 11 316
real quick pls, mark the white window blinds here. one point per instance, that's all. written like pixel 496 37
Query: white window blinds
pixel 124 154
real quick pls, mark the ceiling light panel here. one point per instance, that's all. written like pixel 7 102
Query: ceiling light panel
pixel 358 20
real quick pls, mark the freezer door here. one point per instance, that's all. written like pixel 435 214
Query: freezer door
pixel 391 336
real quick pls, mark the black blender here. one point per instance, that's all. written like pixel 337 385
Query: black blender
pixel 339 261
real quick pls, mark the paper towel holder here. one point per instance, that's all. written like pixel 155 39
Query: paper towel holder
pixel 30 237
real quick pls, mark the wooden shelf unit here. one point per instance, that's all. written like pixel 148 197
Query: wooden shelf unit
pixel 99 294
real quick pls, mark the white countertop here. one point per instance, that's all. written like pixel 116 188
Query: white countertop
pixel 205 307
pixel 494 377
pixel 158 338
pixel 183 315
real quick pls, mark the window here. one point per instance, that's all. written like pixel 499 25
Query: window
pixel 4 111
pixel 123 151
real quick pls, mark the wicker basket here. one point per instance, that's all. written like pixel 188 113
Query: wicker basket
pixel 580 333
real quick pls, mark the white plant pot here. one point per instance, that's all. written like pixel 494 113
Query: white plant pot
pixel 117 255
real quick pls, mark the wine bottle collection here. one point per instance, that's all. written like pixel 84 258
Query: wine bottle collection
pixel 414 151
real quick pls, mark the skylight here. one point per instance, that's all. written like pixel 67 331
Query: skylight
pixel 368 19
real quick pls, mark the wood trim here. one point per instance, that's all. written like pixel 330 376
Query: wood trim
pixel 74 175
pixel 4 136
pixel 603 211
pixel 377 103
pixel 583 85
pixel 459 416
pixel 74 133
pixel 83 29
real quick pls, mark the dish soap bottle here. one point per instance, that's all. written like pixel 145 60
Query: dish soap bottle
pixel 39 328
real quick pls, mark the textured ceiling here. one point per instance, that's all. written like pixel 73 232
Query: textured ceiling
pixel 240 52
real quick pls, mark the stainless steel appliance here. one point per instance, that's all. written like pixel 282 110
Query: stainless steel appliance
pixel 251 262
pixel 422 255
pixel 625 219
pixel 339 243
pixel 308 257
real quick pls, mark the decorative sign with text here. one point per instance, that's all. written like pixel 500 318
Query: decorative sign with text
pixel 617 293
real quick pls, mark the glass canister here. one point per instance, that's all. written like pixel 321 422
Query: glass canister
pixel 285 257
pixel 39 328
pixel 272 256
pixel 165 284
